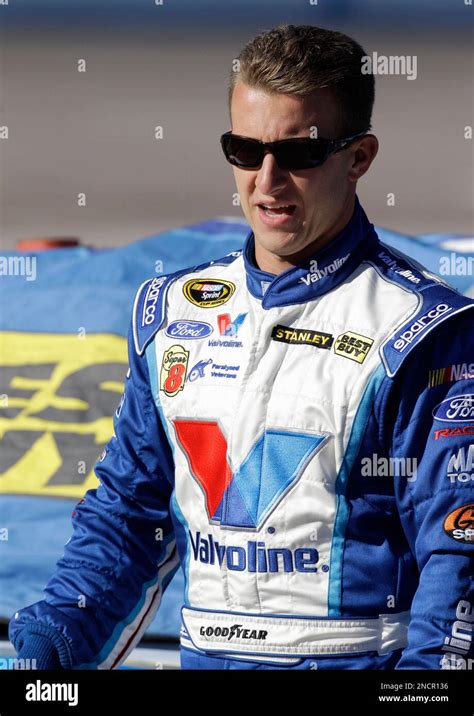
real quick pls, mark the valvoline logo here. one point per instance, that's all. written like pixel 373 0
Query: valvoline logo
pixel 245 497
pixel 227 327
pixel 254 557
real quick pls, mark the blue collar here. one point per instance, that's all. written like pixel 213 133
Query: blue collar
pixel 334 263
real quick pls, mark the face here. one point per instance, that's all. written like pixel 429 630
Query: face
pixel 321 200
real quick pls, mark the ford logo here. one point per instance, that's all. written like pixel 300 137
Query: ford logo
pixel 458 409
pixel 189 330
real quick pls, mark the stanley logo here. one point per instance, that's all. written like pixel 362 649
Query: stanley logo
pixel 304 336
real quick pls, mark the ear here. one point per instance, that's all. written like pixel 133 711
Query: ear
pixel 362 154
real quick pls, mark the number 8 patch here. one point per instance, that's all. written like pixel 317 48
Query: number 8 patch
pixel 173 370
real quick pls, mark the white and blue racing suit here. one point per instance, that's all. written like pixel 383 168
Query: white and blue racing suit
pixel 303 446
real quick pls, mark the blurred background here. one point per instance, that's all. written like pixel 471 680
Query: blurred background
pixel 153 206
pixel 166 65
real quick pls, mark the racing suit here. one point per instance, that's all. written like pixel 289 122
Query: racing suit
pixel 302 445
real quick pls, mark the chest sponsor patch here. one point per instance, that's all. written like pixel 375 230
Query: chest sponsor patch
pixel 454 432
pixel 305 336
pixel 353 346
pixel 458 409
pixel 173 370
pixel 459 524
pixel 244 496
pixel 208 292
pixel 229 327
pixel 217 370
pixel 254 557
pixel 461 465
pixel 188 330
pixel 451 374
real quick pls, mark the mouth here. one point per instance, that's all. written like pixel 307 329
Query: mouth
pixel 277 215
pixel 277 209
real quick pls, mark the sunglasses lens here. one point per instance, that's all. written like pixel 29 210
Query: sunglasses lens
pixel 291 155
pixel 301 155
pixel 242 152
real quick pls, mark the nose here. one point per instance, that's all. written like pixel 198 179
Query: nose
pixel 270 176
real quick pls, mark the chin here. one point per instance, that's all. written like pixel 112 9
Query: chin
pixel 280 243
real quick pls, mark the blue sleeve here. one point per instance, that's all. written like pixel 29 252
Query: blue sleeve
pixel 122 554
pixel 430 417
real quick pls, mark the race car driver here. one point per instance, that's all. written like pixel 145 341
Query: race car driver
pixel 297 425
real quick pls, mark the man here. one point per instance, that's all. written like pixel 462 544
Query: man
pixel 297 423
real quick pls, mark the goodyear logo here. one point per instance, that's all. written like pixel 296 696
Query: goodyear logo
pixel 57 395
pixel 353 346
pixel 208 292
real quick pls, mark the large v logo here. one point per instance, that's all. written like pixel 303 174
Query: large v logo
pixel 246 497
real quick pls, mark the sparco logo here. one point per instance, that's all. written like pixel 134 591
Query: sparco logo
pixel 455 410
pixel 151 299
pixel 189 330
pixel 236 631
pixel 420 325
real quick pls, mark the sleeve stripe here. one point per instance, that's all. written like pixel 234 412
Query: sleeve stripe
pixel 141 615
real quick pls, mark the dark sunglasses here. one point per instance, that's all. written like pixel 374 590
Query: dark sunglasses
pixel 291 154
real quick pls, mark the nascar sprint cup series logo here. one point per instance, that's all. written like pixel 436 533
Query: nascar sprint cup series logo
pixel 173 370
pixel 208 292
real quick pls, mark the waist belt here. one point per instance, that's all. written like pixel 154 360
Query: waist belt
pixel 292 636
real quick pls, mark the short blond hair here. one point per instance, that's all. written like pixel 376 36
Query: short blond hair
pixel 299 59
